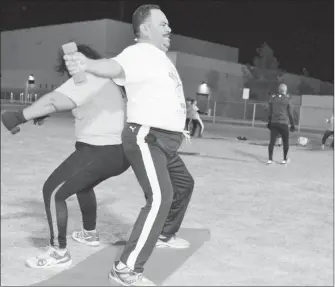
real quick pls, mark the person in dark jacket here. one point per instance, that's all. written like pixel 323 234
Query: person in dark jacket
pixel 280 116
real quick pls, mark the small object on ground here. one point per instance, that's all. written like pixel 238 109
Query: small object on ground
pixel 302 141
pixel 15 130
pixel 188 153
pixel 242 138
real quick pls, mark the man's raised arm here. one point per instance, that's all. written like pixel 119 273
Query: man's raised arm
pixel 107 68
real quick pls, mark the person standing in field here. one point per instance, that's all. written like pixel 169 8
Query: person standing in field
pixel 196 119
pixel 280 116
pixel 329 132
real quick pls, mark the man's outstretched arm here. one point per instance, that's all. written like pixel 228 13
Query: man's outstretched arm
pixel 106 68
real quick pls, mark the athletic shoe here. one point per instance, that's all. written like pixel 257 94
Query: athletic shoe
pixel 270 161
pixel 172 242
pixel 284 162
pixel 323 147
pixel 90 238
pixel 127 277
pixel 51 258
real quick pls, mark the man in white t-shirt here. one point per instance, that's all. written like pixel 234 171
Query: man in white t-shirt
pixel 98 107
pixel 150 138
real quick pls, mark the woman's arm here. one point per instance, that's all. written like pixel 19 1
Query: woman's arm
pixel 48 104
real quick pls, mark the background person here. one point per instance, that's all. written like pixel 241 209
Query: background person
pixel 280 116
pixel 196 119
pixel 328 132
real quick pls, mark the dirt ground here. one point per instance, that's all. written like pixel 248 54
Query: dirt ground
pixel 270 225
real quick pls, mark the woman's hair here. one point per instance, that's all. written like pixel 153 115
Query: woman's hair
pixel 84 49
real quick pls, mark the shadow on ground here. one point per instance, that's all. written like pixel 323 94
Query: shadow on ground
pixel 260 159
pixel 111 226
pixel 94 270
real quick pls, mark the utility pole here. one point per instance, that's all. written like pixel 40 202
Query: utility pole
pixel 122 5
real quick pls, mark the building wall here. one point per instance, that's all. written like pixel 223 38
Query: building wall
pixel 118 36
pixel 35 50
pixel 224 78
pixel 315 110
pixel 204 49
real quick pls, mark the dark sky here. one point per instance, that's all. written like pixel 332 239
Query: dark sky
pixel 301 32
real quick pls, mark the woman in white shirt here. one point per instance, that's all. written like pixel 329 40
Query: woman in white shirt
pixel 196 120
pixel 98 107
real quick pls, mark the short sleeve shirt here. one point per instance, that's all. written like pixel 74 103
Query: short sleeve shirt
pixel 153 86
pixel 100 112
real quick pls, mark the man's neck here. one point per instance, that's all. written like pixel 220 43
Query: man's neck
pixel 148 42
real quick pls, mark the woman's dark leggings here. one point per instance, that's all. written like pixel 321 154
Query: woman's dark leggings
pixel 85 168
pixel 275 131
pixel 187 124
pixel 326 135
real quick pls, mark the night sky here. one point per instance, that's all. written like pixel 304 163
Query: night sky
pixel 300 32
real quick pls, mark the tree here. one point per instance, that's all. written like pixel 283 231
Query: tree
pixel 264 76
pixel 305 89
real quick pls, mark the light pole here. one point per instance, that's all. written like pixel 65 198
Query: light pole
pixel 29 84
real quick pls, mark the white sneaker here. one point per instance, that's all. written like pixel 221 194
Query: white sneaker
pixel 90 238
pixel 285 161
pixel 51 258
pixel 323 147
pixel 172 242
pixel 270 161
pixel 127 277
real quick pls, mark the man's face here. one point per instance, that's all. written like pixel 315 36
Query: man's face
pixel 158 30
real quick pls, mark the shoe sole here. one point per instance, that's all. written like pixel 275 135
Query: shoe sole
pixel 60 265
pixel 93 243
pixel 162 245
pixel 113 278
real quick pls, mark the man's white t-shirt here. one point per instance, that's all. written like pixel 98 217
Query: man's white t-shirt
pixel 100 112
pixel 154 89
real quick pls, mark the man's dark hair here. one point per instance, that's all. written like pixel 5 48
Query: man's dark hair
pixel 141 15
pixel 84 49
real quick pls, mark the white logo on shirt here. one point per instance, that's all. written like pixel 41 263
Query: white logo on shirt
pixel 173 74
pixel 132 128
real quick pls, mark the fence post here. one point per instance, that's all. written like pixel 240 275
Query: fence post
pixel 300 112
pixel 214 112
pixel 254 115
pixel 245 110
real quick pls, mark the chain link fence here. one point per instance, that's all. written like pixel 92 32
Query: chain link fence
pixel 247 113
pixel 256 114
